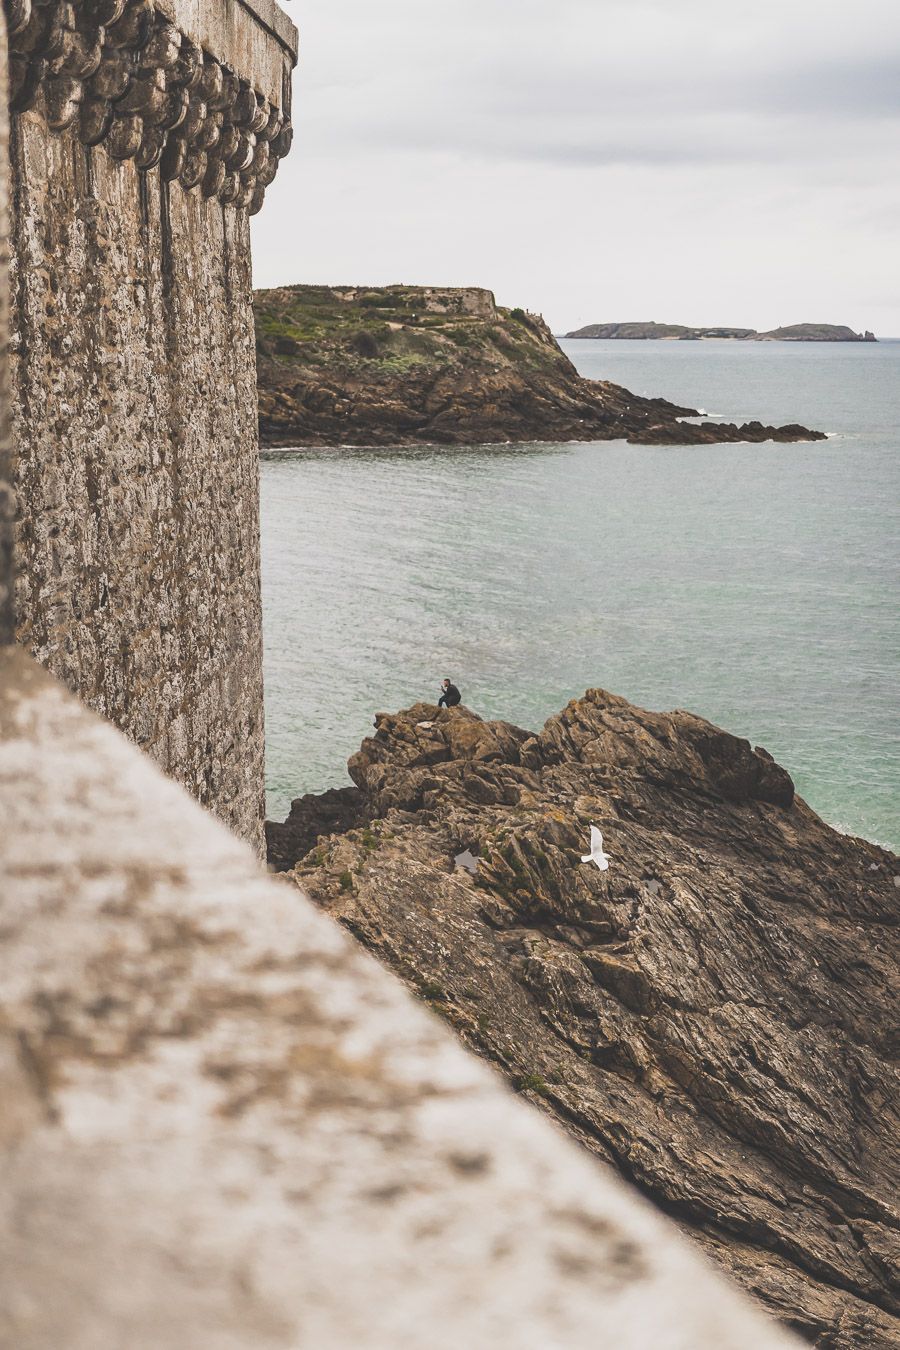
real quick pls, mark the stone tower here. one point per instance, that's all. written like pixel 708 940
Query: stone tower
pixel 144 134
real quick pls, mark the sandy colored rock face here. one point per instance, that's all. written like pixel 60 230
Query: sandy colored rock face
pixel 715 1015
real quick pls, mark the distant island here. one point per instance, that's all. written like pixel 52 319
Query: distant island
pixel 795 332
pixel 415 365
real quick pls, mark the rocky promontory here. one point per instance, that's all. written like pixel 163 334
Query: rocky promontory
pixel 714 1015
pixel 795 332
pixel 407 365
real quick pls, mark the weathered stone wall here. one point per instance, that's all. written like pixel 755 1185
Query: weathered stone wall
pixel 7 615
pixel 135 458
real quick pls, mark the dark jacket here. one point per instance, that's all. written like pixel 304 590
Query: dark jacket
pixel 450 697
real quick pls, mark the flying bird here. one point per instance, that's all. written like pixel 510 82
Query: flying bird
pixel 596 854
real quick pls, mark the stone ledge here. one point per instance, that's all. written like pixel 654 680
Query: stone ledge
pixel 276 22
pixel 226 30
pixel 223 1125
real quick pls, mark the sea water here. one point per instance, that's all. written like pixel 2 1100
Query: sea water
pixel 756 585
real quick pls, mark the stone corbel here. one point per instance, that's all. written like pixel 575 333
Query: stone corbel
pixel 124 76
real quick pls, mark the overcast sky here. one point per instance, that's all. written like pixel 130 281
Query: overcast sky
pixel 687 161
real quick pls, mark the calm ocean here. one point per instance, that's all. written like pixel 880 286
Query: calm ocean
pixel 754 585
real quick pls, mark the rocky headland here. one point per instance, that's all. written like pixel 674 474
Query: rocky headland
pixel 796 332
pixel 714 1016
pixel 407 365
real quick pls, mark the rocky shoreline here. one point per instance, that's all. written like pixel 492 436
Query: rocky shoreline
pixel 714 1015
pixel 419 366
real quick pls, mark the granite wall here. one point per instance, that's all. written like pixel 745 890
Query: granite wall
pixel 139 147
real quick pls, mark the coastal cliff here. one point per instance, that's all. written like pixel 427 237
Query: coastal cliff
pixel 797 332
pixel 406 365
pixel 713 1015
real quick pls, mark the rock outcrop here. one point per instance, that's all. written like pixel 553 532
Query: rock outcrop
pixel 816 332
pixel 714 1015
pixel 407 365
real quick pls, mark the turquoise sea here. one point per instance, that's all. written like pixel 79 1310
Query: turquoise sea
pixel 756 585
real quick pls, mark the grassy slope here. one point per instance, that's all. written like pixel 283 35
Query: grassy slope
pixel 393 328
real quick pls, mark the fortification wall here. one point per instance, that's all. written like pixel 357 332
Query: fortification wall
pixel 7 613
pixel 139 148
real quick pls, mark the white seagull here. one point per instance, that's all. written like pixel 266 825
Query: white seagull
pixel 596 854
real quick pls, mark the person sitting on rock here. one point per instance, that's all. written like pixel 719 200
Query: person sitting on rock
pixel 451 695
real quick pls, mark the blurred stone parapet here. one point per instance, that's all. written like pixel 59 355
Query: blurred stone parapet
pixel 222 1125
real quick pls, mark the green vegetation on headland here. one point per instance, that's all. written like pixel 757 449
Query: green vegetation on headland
pixel 412 365
pixel 796 332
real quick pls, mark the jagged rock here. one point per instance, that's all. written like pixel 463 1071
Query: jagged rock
pixel 714 1015
pixel 330 812
pixel 410 365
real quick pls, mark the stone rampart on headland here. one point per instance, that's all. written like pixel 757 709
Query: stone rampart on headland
pixel 143 136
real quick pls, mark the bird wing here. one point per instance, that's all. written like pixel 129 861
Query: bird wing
pixel 596 840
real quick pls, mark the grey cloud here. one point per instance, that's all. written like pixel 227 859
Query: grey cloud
pixel 574 136
pixel 588 93
pixel 470 141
